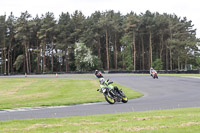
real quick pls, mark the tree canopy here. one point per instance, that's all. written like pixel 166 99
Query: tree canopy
pixel 104 40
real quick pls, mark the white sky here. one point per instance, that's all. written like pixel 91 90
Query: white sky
pixel 182 8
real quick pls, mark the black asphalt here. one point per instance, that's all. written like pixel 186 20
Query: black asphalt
pixel 163 93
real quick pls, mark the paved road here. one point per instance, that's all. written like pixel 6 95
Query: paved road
pixel 164 93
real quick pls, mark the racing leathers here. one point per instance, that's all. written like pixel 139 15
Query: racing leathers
pixel 107 86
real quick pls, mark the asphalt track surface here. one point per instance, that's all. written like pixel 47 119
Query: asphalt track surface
pixel 163 93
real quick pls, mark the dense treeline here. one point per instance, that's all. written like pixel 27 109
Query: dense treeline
pixel 105 40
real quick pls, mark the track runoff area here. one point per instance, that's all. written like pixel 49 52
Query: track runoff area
pixel 167 92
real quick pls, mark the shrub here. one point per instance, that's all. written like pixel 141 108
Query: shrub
pixel 157 64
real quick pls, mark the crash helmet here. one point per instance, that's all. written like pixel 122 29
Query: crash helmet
pixel 151 68
pixel 101 81
pixel 96 71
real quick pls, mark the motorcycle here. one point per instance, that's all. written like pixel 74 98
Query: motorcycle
pixel 154 75
pixel 113 94
pixel 98 75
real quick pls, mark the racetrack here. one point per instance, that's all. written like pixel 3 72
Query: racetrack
pixel 163 93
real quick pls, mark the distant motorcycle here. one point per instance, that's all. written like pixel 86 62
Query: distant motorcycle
pixel 113 94
pixel 154 75
pixel 98 74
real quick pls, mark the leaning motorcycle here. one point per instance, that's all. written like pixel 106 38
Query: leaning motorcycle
pixel 99 75
pixel 112 94
pixel 154 75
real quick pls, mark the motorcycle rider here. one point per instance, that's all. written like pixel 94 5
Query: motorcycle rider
pixel 152 71
pixel 98 74
pixel 104 86
pixel 96 71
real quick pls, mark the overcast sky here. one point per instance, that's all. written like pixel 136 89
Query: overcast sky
pixel 182 8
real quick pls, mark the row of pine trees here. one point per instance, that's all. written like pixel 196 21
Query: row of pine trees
pixel 104 40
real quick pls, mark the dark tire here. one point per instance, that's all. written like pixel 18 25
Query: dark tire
pixel 124 98
pixel 109 100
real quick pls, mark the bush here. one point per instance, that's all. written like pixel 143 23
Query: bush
pixel 157 64
pixel 19 62
pixel 84 60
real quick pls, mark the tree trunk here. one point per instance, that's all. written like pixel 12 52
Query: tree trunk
pixel 38 56
pixel 2 61
pixel 5 70
pixel 24 68
pixel 115 52
pixel 170 56
pixel 9 48
pixel 44 59
pixel 29 58
pixel 107 48
pixel 26 57
pixel 140 57
pixel 150 50
pixel 178 63
pixel 66 59
pixel 9 60
pixel 52 59
pixel 13 59
pixel 166 56
pixel 161 46
pixel 170 50
pixel 142 52
pixel 4 54
pixel 99 49
pixel 3 41
pixel 134 51
pixel 185 63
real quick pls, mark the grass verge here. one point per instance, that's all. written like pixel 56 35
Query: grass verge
pixel 185 120
pixel 32 92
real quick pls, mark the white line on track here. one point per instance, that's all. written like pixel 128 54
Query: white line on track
pixel 40 108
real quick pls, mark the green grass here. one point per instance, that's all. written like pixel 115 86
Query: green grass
pixel 185 120
pixel 32 92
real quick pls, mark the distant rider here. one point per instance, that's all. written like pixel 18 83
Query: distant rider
pixel 152 71
pixel 98 74
pixel 96 71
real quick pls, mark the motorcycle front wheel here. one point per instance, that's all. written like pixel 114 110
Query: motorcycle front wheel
pixel 124 98
pixel 109 100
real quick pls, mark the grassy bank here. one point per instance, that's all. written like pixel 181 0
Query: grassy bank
pixel 171 121
pixel 31 92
